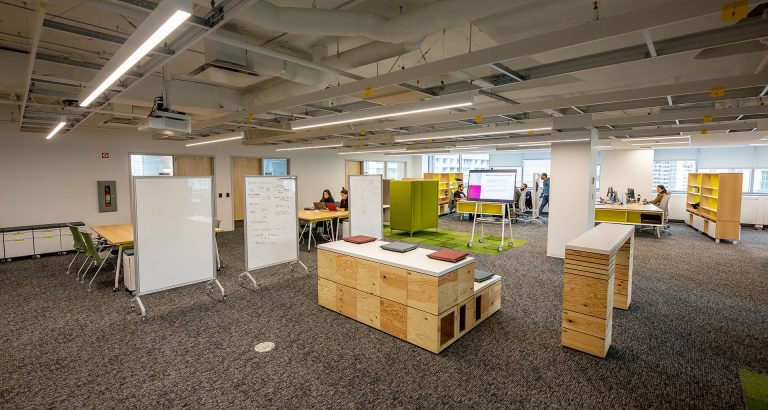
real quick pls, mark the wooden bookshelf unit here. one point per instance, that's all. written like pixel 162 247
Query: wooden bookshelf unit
pixel 447 184
pixel 713 203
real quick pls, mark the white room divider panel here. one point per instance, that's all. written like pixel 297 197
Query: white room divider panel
pixel 366 213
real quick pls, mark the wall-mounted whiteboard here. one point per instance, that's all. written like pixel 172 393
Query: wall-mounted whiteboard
pixel 173 232
pixel 366 211
pixel 271 221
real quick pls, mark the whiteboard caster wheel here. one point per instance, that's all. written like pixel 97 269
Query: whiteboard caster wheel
pixel 143 318
pixel 481 240
pixel 469 244
pixel 133 308
pixel 209 291
pixel 224 298
pixel 89 290
pixel 511 244
pixel 500 249
pixel 241 282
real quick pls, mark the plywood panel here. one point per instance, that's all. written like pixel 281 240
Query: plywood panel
pixel 394 318
pixel 193 166
pixel 585 323
pixel 242 166
pixel 326 265
pixel 346 301
pixel 326 294
pixel 422 329
pixel 466 282
pixel 586 343
pixel 423 292
pixel 346 270
pixel 368 308
pixel 586 295
pixel 394 284
pixel 369 277
pixel 448 290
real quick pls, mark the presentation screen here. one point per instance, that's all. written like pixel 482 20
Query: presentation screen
pixel 492 185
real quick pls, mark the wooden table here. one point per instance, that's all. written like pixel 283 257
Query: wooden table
pixel 312 217
pixel 597 276
pixel 631 214
pixel 121 235
pixel 423 301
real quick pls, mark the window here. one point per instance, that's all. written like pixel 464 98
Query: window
pixel 395 170
pixel 744 171
pixel 373 167
pixel 276 167
pixel 473 161
pixel 672 174
pixel 597 179
pixel 446 163
pixel 151 165
pixel 534 166
pixel 760 183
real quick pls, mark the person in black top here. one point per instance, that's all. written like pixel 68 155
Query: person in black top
pixel 344 204
pixel 459 193
pixel 327 197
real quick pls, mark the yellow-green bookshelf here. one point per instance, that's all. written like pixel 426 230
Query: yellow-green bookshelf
pixel 713 203
pixel 446 185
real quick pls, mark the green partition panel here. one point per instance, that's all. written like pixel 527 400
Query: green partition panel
pixel 413 205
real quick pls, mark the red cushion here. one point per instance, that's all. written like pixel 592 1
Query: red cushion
pixel 448 255
pixel 360 239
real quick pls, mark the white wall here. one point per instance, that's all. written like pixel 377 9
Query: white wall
pixel 572 192
pixel 630 168
pixel 48 181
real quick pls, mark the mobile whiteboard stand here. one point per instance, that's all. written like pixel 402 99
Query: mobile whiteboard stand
pixel 173 227
pixel 505 220
pixel 271 223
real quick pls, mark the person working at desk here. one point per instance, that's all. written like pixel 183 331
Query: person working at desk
pixel 660 192
pixel 327 197
pixel 459 194
pixel 544 192
pixel 527 200
pixel 344 204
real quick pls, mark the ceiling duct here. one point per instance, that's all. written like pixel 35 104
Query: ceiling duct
pixel 225 65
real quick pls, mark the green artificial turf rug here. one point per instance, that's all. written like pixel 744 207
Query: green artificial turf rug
pixel 755 388
pixel 444 238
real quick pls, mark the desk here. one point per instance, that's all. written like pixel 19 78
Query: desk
pixel 597 276
pixel 423 301
pixel 312 217
pixel 121 235
pixel 631 214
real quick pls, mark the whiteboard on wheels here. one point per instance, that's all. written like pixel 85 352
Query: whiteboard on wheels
pixel 366 209
pixel 173 228
pixel 271 221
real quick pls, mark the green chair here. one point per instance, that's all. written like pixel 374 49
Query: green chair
pixel 79 246
pixel 97 256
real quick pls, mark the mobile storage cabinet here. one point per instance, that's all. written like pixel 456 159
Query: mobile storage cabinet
pixel 35 240
pixel 713 203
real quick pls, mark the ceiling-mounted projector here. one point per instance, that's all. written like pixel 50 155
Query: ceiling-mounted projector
pixel 164 122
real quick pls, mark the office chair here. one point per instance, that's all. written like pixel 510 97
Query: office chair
pixel 96 256
pixel 664 205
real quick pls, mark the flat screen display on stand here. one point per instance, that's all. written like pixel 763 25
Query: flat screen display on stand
pixel 492 185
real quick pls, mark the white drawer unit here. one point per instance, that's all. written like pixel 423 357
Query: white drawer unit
pixel 47 244
pixel 17 246
pixel 67 243
pixel 711 229
pixel 2 248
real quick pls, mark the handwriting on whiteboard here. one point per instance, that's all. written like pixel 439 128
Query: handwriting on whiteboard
pixel 270 208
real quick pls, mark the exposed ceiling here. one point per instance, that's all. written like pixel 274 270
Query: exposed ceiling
pixel 631 69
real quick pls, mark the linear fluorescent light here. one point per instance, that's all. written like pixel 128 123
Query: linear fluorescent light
pixel 310 147
pixel 535 144
pixel 164 30
pixel 485 131
pixel 394 110
pixel 372 151
pixel 663 143
pixel 56 129
pixel 659 138
pixel 237 137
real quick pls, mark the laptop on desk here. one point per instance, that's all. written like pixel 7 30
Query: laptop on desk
pixel 331 206
pixel 319 205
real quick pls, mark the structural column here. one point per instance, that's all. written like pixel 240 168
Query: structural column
pixel 572 190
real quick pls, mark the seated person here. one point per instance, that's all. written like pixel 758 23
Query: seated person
pixel 459 193
pixel 327 197
pixel 660 192
pixel 344 204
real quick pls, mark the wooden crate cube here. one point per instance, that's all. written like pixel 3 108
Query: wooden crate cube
pixel 466 282
pixel 346 270
pixel 394 284
pixel 586 343
pixel 326 265
pixel 326 294
pixel 394 318
pixel 346 301
pixel 494 298
pixel 369 277
pixel 423 329
pixel 586 324
pixel 368 309
pixel 588 295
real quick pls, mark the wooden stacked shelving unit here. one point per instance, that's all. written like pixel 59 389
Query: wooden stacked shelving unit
pixel 713 203
pixel 447 184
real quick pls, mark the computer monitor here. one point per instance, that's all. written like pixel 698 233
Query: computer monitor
pixel 630 194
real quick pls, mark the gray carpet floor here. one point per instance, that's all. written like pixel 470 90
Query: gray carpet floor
pixel 699 313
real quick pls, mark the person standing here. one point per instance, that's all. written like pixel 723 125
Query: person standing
pixel 544 192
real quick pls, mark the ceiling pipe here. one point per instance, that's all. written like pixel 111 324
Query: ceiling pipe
pixel 412 24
